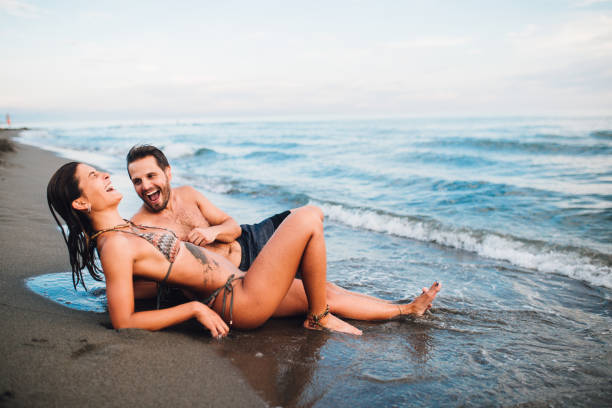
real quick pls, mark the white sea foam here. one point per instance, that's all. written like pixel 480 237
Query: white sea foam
pixel 215 186
pixel 527 254
pixel 102 160
pixel 178 150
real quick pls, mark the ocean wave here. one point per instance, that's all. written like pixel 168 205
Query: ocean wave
pixel 272 155
pixel 219 185
pixel 457 160
pixel 203 151
pixel 536 147
pixel 184 150
pixel 179 150
pixel 35 133
pixel 578 263
pixel 274 145
pixel 602 134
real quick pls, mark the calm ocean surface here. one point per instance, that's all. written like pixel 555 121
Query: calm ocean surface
pixel 512 215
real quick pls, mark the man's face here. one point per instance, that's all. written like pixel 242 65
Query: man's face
pixel 151 183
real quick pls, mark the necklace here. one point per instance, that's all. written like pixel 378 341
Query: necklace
pixel 116 227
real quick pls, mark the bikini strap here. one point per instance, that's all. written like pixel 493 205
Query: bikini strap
pixel 128 223
pixel 161 285
pixel 115 228
pixel 225 288
pixel 151 227
pixel 124 231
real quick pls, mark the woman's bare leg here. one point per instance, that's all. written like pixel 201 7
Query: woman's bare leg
pixel 352 305
pixel 298 241
pixel 333 286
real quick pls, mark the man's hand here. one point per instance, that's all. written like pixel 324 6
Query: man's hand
pixel 202 236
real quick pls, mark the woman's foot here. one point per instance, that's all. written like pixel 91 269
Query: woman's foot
pixel 422 303
pixel 331 323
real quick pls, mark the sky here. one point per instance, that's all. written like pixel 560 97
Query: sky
pixel 206 59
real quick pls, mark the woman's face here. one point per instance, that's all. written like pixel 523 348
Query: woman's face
pixel 96 188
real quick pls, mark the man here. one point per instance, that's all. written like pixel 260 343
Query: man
pixel 189 214
pixel 194 218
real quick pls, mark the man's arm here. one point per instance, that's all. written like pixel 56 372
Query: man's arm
pixel 222 227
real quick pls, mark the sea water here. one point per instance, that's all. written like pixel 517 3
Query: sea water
pixel 512 215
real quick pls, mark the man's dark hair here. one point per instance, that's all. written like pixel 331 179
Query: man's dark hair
pixel 138 152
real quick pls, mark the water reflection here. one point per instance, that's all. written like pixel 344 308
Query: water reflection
pixel 291 366
pixel 278 360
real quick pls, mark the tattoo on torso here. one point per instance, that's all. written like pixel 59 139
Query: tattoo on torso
pixel 208 265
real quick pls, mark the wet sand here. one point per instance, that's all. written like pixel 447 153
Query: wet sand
pixel 56 356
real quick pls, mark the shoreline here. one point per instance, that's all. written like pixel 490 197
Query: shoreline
pixel 56 356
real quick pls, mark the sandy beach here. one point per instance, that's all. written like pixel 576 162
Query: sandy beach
pixel 56 356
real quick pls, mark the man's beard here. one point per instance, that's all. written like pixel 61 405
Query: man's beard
pixel 164 203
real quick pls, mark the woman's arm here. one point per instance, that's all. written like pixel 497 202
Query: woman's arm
pixel 117 264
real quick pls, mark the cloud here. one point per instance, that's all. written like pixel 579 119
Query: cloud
pixel 563 66
pixel 96 15
pixel 147 67
pixel 527 32
pixel 588 3
pixel 19 8
pixel 590 37
pixel 428 42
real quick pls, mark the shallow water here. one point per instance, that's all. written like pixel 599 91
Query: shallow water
pixel 512 216
pixel 59 288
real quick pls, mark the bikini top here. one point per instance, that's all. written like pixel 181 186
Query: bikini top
pixel 166 242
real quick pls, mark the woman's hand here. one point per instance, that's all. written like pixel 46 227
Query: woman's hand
pixel 211 320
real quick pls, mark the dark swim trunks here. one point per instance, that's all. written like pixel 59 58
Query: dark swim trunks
pixel 255 236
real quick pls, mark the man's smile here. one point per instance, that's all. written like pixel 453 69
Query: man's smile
pixel 153 196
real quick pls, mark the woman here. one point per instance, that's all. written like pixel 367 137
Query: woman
pixel 87 201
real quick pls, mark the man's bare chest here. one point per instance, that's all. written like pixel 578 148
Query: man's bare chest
pixel 182 221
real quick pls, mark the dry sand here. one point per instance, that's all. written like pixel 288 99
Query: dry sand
pixel 55 356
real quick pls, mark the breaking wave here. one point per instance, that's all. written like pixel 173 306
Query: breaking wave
pixel 578 263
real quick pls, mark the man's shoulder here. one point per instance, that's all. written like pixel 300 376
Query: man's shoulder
pixel 187 194
pixel 186 189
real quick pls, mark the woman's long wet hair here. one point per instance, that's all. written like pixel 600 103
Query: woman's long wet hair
pixel 62 190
